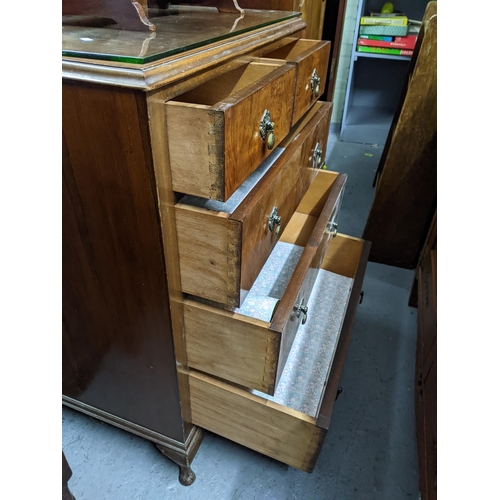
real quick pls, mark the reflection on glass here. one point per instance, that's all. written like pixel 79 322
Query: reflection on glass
pixel 177 30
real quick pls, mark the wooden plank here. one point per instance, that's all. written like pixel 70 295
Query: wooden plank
pixel 261 425
pixel 306 55
pixel 231 346
pixel 405 197
pixel 209 254
pixel 314 200
pixel 299 229
pixel 343 255
pixel 199 168
pixel 236 249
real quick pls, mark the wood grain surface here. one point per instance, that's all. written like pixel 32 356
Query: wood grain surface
pixel 252 353
pixel 117 342
pixel 304 276
pixel 236 246
pixel 269 428
pixel 357 271
pixel 274 430
pixel 283 189
pixel 406 192
pixel 231 346
pixel 225 145
pixel 306 55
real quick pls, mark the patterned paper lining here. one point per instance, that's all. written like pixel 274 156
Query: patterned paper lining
pixel 303 379
pixel 304 376
pixel 271 282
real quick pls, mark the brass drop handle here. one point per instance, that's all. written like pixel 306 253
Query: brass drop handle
pixel 315 83
pixel 301 308
pixel 274 220
pixel 317 154
pixel 267 129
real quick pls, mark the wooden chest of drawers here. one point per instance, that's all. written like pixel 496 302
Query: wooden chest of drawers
pixel 185 179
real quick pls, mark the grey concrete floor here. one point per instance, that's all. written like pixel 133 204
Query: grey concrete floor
pixel 370 450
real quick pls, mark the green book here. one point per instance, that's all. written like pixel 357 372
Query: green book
pixel 383 50
pixel 383 30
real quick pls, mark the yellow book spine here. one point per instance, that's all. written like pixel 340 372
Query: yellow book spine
pixel 384 21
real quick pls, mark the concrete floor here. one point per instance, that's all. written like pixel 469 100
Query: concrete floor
pixel 370 450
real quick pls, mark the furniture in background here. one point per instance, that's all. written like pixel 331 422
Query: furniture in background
pixel 160 134
pixel 424 292
pixel 375 82
pixel 406 192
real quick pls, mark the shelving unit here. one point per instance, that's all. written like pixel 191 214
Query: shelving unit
pixel 375 82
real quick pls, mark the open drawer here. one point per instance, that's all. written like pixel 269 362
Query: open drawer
pixel 221 131
pixel 250 345
pixel 223 246
pixel 311 60
pixel 265 424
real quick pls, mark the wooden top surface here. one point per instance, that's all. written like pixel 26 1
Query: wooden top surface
pixel 165 71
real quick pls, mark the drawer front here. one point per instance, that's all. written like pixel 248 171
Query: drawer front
pixel 263 425
pixel 221 122
pixel 221 254
pixel 253 352
pixel 311 59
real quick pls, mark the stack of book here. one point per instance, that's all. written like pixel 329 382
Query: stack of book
pixel 391 34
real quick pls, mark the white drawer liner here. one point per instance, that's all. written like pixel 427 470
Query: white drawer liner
pixel 308 365
pixel 239 195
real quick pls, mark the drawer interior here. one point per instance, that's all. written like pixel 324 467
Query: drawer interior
pixel 249 344
pixel 223 87
pixel 291 51
pixel 290 426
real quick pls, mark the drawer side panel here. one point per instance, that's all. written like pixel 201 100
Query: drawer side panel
pixel 209 254
pixel 276 431
pixel 197 168
pixel 235 348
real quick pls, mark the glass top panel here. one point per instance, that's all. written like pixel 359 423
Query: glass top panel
pixel 177 30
